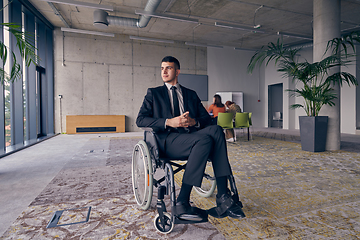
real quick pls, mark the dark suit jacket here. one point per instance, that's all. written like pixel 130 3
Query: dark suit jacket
pixel 156 108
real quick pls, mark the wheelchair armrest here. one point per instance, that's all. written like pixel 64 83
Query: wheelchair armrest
pixel 156 154
pixel 150 139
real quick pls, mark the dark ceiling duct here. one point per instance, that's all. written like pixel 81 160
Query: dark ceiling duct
pixel 103 20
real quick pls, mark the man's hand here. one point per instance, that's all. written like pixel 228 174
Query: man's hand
pixel 183 120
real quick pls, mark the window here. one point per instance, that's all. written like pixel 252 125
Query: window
pixel 19 115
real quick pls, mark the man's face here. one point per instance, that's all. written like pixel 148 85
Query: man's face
pixel 168 72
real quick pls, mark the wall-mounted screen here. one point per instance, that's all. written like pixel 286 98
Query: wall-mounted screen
pixel 198 83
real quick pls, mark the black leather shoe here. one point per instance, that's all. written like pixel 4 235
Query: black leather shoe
pixel 185 211
pixel 227 206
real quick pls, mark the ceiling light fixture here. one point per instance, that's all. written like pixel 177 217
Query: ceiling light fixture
pixel 166 16
pixel 257 26
pixel 82 4
pixel 202 45
pixel 294 35
pixel 151 39
pixel 74 30
pixel 244 49
pixel 225 25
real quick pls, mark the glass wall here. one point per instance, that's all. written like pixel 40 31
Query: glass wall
pixel 26 104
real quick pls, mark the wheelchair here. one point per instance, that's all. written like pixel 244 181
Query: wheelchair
pixel 146 159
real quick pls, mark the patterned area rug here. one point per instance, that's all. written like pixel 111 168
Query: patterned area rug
pixel 99 176
pixel 287 194
pixel 292 194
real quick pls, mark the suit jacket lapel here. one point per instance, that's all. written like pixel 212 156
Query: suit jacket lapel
pixel 186 106
pixel 184 94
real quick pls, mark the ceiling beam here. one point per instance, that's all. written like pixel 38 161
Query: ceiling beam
pixel 75 30
pixel 82 4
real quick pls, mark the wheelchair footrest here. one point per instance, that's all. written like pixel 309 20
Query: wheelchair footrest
pixel 196 215
pixel 179 220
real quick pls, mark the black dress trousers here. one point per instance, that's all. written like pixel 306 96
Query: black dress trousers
pixel 198 147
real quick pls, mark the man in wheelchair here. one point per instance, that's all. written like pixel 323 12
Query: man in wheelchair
pixel 183 131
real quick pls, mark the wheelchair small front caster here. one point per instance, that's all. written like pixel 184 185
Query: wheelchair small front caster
pixel 168 225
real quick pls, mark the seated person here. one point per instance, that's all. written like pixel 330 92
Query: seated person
pixel 232 108
pixel 183 130
pixel 215 108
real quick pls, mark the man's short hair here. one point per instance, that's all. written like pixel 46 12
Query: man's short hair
pixel 173 60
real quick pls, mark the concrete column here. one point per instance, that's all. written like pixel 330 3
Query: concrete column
pixel 326 17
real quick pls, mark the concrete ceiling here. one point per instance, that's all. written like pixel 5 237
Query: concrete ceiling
pixel 273 16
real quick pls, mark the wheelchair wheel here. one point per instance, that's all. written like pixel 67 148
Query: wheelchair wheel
pixel 168 225
pixel 208 184
pixel 142 175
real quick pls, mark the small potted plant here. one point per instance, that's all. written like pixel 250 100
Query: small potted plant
pixel 314 82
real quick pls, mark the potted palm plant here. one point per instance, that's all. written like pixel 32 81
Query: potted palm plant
pixel 314 82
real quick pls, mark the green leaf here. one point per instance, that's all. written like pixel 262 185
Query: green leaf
pixel 26 48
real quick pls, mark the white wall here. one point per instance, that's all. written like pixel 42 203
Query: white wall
pixel 274 77
pixel 348 105
pixel 227 71
pixel 304 54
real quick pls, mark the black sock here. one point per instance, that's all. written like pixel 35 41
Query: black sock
pixel 221 185
pixel 184 195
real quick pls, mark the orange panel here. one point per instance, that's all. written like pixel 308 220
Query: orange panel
pixel 94 121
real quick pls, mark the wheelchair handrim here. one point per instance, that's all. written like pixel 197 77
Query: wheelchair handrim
pixel 141 148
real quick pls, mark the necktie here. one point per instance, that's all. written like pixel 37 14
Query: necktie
pixel 175 102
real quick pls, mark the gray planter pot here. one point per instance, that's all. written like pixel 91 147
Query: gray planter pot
pixel 313 131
